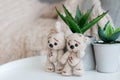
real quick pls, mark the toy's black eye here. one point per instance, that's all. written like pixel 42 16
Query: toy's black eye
pixel 68 43
pixel 48 41
pixel 76 45
pixel 55 43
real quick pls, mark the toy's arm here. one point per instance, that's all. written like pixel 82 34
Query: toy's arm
pixel 73 60
pixel 81 54
pixel 52 56
pixel 60 54
pixel 64 57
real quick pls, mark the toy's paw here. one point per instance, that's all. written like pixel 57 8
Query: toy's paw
pixel 66 73
pixel 59 70
pixel 78 72
pixel 50 69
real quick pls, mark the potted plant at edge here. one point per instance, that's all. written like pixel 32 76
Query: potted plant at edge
pixel 80 24
pixel 107 51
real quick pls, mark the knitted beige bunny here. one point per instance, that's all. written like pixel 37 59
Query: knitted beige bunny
pixel 56 45
pixel 72 59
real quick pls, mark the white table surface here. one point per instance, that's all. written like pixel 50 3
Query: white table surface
pixel 33 69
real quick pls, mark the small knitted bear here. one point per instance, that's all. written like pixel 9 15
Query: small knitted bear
pixel 56 45
pixel 72 59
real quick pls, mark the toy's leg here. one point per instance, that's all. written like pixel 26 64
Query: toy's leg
pixel 59 68
pixel 50 67
pixel 78 70
pixel 67 71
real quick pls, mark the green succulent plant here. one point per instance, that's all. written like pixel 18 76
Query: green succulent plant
pixel 80 23
pixel 108 34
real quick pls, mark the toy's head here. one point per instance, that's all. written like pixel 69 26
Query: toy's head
pixel 76 42
pixel 56 39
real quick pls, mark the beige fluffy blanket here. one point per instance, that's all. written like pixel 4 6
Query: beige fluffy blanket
pixel 24 25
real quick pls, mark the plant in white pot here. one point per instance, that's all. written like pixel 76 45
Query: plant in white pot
pixel 80 24
pixel 107 50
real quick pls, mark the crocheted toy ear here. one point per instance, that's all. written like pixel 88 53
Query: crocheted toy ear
pixel 58 26
pixel 52 31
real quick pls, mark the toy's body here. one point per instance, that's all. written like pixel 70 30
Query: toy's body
pixel 53 63
pixel 72 59
pixel 56 45
pixel 73 64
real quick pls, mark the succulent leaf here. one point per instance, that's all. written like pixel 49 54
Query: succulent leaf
pixel 109 29
pixel 108 34
pixel 117 29
pixel 94 21
pixel 73 26
pixel 78 14
pixel 61 16
pixel 68 14
pixel 80 23
pixel 84 19
pixel 101 34
pixel 106 25
pixel 115 36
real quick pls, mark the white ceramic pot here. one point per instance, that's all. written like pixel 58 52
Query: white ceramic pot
pixel 89 59
pixel 107 57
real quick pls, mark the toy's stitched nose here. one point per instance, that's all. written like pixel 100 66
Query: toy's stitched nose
pixel 72 47
pixel 51 45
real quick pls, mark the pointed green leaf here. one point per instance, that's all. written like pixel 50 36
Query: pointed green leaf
pixel 93 22
pixel 109 30
pixel 70 22
pixel 68 14
pixel 73 26
pixel 78 14
pixel 115 36
pixel 117 29
pixel 61 16
pixel 101 34
pixel 106 25
pixel 84 19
